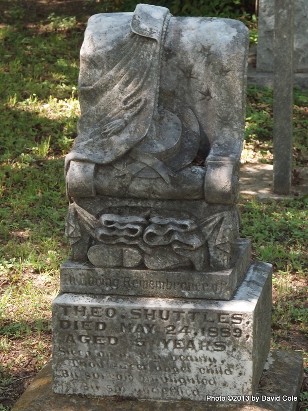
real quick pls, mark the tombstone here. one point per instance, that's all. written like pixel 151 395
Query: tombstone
pixel 159 299
pixel 266 24
pixel 283 96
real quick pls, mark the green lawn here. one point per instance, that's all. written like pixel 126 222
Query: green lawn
pixel 39 50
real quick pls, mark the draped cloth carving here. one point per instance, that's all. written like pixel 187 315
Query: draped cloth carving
pixel 122 103
pixel 144 133
pixel 122 122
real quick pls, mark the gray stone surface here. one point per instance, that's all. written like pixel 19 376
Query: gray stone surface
pixel 159 300
pixel 265 54
pixel 83 278
pixel 187 235
pixel 266 79
pixel 283 96
pixel 279 390
pixel 282 380
pixel 156 123
pixel 163 348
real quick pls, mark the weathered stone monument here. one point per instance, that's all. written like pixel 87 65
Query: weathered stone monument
pixel 159 299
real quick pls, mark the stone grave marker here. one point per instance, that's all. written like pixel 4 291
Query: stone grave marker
pixel 283 96
pixel 159 299
pixel 266 25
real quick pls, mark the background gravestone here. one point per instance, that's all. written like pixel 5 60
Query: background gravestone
pixel 283 96
pixel 265 52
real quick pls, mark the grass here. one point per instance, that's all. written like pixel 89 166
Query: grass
pixel 279 233
pixel 259 124
pixel 39 111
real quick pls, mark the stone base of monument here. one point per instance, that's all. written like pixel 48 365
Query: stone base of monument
pixel 164 349
pixel 278 390
pixel 266 79
pixel 84 278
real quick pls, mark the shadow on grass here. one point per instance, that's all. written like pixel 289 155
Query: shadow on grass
pixel 21 329
pixel 19 364
pixel 38 64
pixel 23 133
pixel 27 12
pixel 33 198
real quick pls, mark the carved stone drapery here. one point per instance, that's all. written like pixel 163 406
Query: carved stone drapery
pixel 160 242
pixel 155 125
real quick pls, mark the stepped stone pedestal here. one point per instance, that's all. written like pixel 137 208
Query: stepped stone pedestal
pixel 283 374
pixel 165 349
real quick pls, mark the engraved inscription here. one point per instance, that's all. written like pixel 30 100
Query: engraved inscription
pixel 176 329
pixel 180 351
pixel 131 284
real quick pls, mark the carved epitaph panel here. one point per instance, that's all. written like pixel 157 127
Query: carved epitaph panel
pixel 160 348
